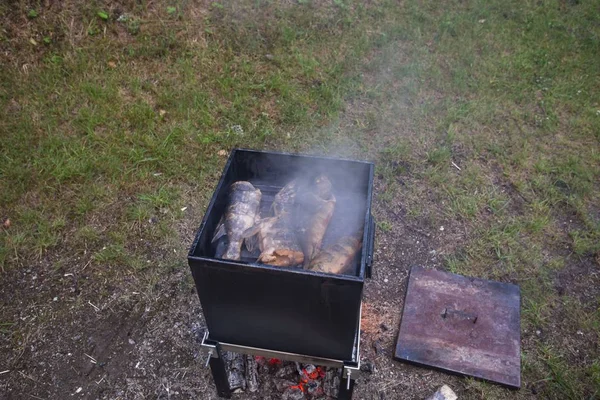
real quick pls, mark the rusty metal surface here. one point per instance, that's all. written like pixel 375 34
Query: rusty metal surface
pixel 462 325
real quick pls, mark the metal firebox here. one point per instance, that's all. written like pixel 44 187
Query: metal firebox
pixel 289 310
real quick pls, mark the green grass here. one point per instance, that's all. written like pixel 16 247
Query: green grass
pixel 482 115
pixel 106 118
pixel 509 92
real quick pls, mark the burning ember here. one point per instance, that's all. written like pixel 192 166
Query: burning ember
pixel 309 380
pixel 300 381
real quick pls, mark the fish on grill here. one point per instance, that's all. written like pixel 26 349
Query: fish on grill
pixel 275 235
pixel 240 214
pixel 315 210
pixel 277 242
pixel 285 199
pixel 336 258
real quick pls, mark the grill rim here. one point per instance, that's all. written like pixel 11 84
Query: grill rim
pixel 367 242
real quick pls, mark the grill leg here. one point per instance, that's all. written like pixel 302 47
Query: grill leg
pixel 345 392
pixel 219 373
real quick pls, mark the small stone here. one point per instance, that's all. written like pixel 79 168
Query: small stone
pixel 538 332
pixel 580 333
pixel 367 367
pixel 386 280
pixel 443 393
pixel 534 390
pixel 55 299
pixel 222 153
pixel 238 130
pixel 441 228
pixel 112 64
pixel 162 112
pixel 6 223
pixel 378 346
pixel 131 341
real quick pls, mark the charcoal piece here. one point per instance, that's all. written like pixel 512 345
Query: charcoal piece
pixel 313 387
pixel 293 394
pixel 236 379
pixel 251 373
pixel 235 370
pixel 332 382
pixel 283 384
pixel 286 370
pixel 309 368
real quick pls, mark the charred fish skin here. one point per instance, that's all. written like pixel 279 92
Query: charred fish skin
pixel 319 206
pixel 240 214
pixel 285 199
pixel 278 242
pixel 336 258
pixel 324 188
pixel 275 235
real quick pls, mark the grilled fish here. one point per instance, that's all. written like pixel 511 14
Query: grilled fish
pixel 285 199
pixel 275 235
pixel 314 216
pixel 277 241
pixel 240 214
pixel 336 258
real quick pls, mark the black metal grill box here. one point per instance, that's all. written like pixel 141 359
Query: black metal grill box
pixel 286 309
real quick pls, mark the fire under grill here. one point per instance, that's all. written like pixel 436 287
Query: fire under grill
pixel 288 313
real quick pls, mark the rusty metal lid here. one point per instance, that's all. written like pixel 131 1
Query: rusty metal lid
pixel 462 325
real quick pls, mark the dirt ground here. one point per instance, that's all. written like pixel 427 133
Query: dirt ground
pixel 139 345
